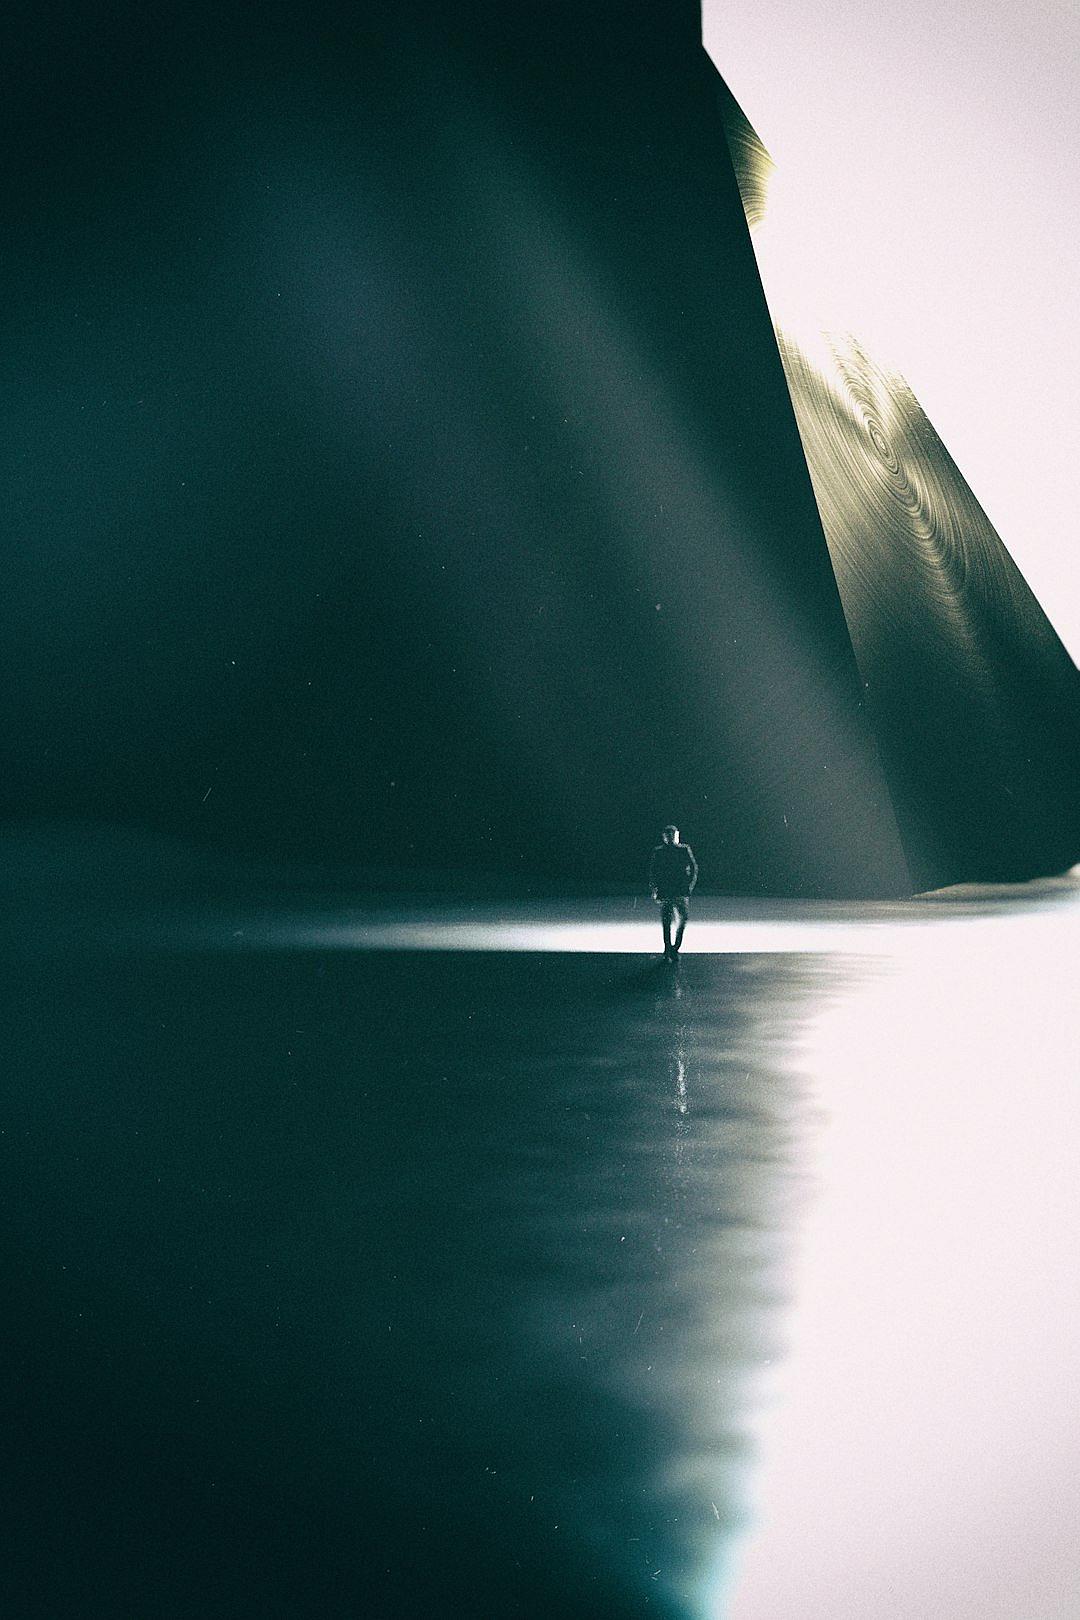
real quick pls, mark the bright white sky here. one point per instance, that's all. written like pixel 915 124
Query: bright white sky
pixel 937 149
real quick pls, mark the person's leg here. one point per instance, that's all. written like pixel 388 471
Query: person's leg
pixel 682 911
pixel 666 913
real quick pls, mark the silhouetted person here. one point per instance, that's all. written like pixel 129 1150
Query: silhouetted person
pixel 673 872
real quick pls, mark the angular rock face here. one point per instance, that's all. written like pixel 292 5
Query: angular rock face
pixel 403 437
pixel 974 701
pixel 599 495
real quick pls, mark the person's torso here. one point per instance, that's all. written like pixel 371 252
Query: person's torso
pixel 672 868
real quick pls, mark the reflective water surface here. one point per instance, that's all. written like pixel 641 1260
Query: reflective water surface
pixel 539 1282
pixel 919 1445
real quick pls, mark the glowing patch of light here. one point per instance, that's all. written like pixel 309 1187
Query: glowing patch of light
pixel 811 289
pixel 613 927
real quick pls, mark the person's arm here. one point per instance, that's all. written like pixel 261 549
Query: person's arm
pixel 693 868
pixel 652 873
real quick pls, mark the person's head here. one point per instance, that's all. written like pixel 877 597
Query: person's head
pixel 670 835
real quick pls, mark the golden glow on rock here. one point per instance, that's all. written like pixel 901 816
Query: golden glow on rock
pixel 887 488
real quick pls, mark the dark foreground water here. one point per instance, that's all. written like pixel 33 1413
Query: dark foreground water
pixel 390 1284
pixel 521 1275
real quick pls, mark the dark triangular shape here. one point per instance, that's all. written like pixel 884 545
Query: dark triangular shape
pixel 436 487
pixel 554 361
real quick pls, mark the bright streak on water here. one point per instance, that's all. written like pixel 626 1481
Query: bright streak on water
pixel 953 921
pixel 920 1445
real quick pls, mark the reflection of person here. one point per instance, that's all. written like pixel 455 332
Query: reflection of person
pixel 672 874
